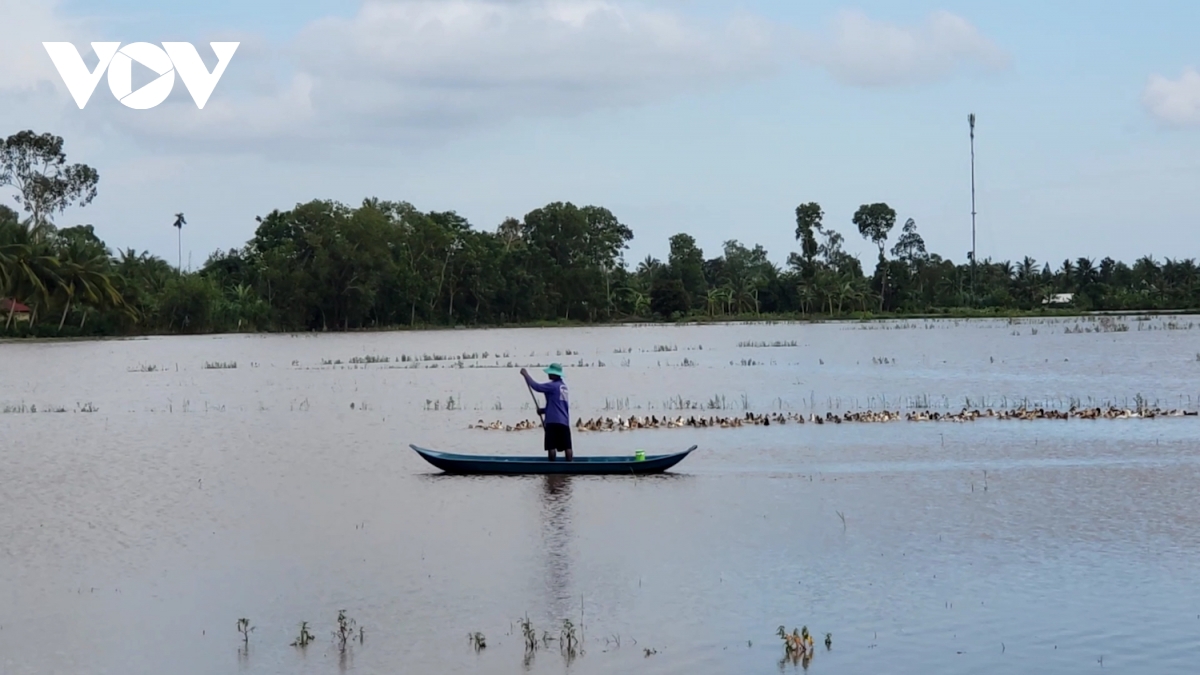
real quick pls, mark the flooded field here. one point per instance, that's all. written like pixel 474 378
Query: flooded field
pixel 158 490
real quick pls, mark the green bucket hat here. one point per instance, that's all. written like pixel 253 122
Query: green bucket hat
pixel 554 369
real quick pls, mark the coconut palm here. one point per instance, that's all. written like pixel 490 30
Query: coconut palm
pixel 807 291
pixel 84 274
pixel 29 271
pixel 1085 273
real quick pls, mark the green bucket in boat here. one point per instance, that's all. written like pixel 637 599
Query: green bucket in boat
pixel 639 455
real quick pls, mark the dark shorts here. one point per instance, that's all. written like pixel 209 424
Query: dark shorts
pixel 558 437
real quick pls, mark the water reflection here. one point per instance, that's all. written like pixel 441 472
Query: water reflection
pixel 796 659
pixel 1041 559
pixel 554 515
pixel 556 539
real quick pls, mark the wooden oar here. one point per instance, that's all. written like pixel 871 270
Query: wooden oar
pixel 535 404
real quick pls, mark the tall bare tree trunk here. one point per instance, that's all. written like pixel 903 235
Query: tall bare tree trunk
pixel 883 288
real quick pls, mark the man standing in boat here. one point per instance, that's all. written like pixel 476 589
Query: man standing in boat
pixel 557 420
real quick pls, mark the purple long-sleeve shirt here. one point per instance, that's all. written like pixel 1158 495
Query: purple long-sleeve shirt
pixel 557 409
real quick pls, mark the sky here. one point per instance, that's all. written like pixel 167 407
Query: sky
pixel 711 118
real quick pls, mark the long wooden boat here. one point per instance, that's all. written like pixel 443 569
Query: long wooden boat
pixel 500 464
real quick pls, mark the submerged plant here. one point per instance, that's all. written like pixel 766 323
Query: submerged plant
pixel 568 641
pixel 244 627
pixel 530 635
pixel 345 630
pixel 305 636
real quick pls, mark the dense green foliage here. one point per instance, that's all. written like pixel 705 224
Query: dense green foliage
pixel 328 266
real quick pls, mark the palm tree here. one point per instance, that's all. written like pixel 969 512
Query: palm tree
pixel 85 274
pixel 743 297
pixel 1027 269
pixel 179 223
pixel 847 291
pixel 1178 280
pixel 1000 276
pixel 29 273
pixel 725 295
pixel 949 285
pixel 1026 280
pixel 1067 273
pixel 1149 276
pixel 714 298
pixel 827 284
pixel 808 294
pixel 1189 277
pixel 1085 273
pixel 862 292
pixel 649 268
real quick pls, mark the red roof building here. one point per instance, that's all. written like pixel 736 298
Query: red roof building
pixel 9 305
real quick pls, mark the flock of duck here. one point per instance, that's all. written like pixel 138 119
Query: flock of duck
pixel 633 422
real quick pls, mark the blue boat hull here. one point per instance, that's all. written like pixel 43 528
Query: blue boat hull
pixel 609 465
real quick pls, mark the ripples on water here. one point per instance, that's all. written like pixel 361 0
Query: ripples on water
pixel 136 536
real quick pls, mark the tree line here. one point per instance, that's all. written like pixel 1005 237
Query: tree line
pixel 324 265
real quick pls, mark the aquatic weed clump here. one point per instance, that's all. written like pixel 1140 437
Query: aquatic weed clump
pixel 345 630
pixel 530 635
pixel 763 345
pixel 568 641
pixel 305 636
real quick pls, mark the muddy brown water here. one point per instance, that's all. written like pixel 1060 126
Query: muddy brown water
pixel 135 535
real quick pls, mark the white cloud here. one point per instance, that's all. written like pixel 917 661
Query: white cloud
pixel 1174 102
pixel 422 71
pixel 24 64
pixel 864 52
pixel 407 69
